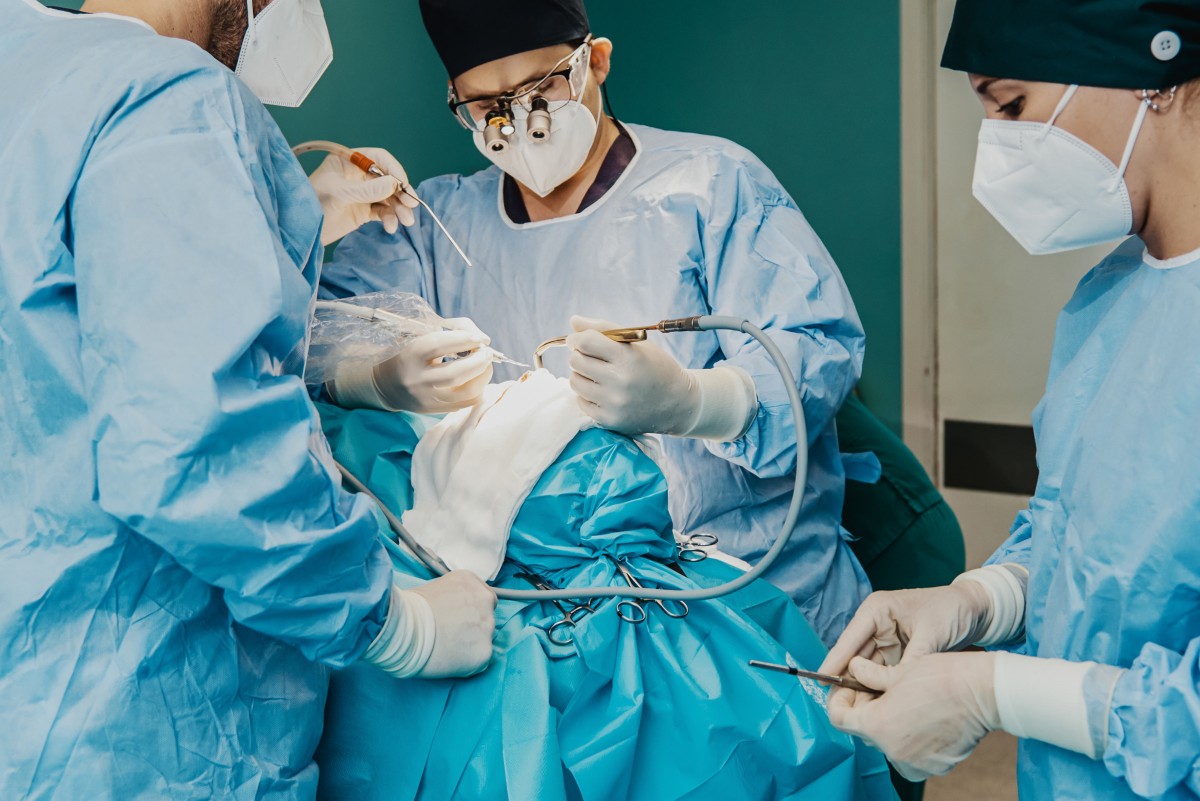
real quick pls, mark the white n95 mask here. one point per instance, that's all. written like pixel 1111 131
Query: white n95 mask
pixel 285 52
pixel 1048 188
pixel 544 166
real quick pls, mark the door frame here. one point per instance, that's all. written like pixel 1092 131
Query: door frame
pixel 918 182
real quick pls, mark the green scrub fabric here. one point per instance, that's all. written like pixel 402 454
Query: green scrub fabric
pixel 905 534
pixel 1119 44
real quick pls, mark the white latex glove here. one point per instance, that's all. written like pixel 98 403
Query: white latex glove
pixel 428 376
pixel 895 627
pixel 351 198
pixel 933 711
pixel 443 628
pixel 639 388
pixel 463 611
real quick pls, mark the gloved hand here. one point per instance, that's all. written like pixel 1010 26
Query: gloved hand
pixel 639 388
pixel 443 628
pixel 420 380
pixel 933 711
pixel 427 377
pixel 351 198
pixel 463 608
pixel 897 627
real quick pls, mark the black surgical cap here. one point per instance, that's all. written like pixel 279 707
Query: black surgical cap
pixel 1116 44
pixel 468 33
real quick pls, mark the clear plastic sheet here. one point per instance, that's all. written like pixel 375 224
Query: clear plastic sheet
pixel 365 329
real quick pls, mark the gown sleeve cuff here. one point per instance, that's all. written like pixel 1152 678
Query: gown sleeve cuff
pixel 403 647
pixel 353 387
pixel 1005 585
pixel 728 404
pixel 1053 701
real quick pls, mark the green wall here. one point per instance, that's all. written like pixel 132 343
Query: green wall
pixel 811 87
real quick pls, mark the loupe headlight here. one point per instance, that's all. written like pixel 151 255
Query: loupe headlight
pixel 538 124
pixel 497 130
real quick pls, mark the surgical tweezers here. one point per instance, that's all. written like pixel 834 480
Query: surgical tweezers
pixel 823 678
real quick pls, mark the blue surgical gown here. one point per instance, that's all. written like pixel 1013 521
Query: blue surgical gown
pixel 177 556
pixel 695 225
pixel 1112 536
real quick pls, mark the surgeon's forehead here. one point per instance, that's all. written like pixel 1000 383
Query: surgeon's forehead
pixel 504 74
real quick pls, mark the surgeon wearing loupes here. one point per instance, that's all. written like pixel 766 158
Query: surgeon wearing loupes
pixel 1091 608
pixel 584 222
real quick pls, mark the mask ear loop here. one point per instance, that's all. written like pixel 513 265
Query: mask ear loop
pixel 250 26
pixel 1058 110
pixel 1143 109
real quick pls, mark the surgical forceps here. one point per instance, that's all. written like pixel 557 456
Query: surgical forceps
pixel 633 610
pixel 691 548
pixel 561 632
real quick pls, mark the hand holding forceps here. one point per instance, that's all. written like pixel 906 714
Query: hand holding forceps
pixel 633 610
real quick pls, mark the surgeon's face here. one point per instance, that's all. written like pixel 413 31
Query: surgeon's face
pixel 511 74
pixel 229 24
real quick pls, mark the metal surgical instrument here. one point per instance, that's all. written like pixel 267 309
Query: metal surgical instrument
pixel 703 323
pixel 639 333
pixel 823 678
pixel 692 547
pixel 368 165
pixel 633 610
pixel 561 632
pixel 373 314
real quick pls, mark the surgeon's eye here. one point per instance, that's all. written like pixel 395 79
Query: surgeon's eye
pixel 1013 108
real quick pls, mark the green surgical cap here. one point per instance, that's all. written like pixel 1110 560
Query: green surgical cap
pixel 1117 44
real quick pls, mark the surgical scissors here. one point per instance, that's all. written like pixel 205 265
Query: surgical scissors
pixel 561 632
pixel 692 547
pixel 638 605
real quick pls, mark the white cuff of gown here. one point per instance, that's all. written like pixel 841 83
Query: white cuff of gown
pixel 1005 585
pixel 353 387
pixel 1045 699
pixel 402 648
pixel 728 404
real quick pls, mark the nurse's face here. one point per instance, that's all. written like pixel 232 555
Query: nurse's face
pixel 1100 117
pixel 1103 118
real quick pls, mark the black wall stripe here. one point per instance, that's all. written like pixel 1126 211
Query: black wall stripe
pixel 990 457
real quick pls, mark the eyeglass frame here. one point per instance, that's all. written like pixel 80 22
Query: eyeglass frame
pixel 506 101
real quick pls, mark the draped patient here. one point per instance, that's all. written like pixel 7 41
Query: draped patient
pixel 582 699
